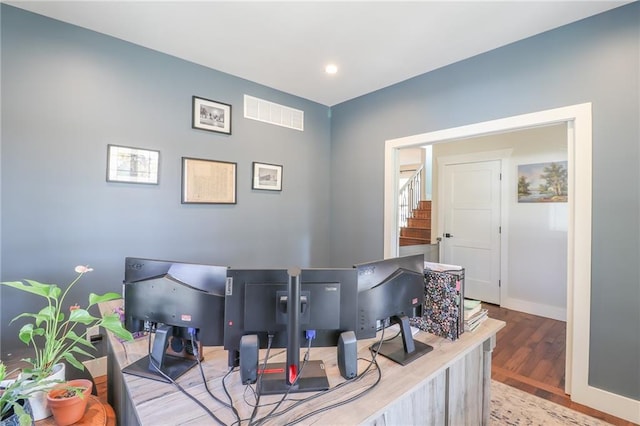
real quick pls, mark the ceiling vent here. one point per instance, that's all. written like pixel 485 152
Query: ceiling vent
pixel 272 113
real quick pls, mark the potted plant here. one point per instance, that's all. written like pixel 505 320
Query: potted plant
pixel 68 402
pixel 56 336
pixel 14 401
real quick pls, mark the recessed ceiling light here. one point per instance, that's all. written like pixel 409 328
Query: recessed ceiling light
pixel 331 69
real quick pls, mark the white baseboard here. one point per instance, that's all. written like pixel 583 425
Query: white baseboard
pixel 608 402
pixel 97 366
pixel 547 311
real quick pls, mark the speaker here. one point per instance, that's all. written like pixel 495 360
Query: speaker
pixel 249 359
pixel 348 355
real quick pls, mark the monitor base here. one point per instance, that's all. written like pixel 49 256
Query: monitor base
pixel 394 350
pixel 174 367
pixel 273 380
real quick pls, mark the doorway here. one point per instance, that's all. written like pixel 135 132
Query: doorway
pixel 578 119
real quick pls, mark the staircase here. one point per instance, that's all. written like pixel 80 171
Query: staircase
pixel 418 228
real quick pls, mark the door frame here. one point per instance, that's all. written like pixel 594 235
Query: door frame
pixel 501 155
pixel 579 145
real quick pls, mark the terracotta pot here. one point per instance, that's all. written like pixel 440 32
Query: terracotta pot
pixel 69 409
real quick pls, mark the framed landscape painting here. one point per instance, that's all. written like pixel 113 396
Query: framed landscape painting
pixel 543 182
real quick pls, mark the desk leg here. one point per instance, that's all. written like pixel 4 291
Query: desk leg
pixel 487 349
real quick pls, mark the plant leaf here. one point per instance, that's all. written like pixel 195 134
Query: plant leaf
pixel 82 351
pixel 112 323
pixel 73 336
pixel 23 315
pixel 27 332
pixel 35 287
pixel 82 316
pixel 96 298
pixel 73 361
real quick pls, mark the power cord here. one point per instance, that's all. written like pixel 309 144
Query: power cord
pixel 180 388
pixel 192 335
pixel 372 362
pixel 310 335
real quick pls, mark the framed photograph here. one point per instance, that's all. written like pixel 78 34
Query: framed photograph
pixel 208 181
pixel 211 115
pixel 267 177
pixel 132 165
pixel 543 182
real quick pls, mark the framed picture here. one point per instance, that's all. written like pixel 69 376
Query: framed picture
pixel 132 165
pixel 267 177
pixel 208 181
pixel 211 115
pixel 543 182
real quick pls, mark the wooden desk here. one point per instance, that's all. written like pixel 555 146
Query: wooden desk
pixel 448 386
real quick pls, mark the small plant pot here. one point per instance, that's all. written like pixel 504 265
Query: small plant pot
pixel 66 404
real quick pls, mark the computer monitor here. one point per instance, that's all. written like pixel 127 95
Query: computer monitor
pixel 185 302
pixel 260 302
pixel 391 289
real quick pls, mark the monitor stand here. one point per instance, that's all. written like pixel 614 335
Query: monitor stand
pixel 172 366
pixel 402 350
pixel 273 379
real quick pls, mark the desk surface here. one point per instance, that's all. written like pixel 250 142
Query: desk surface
pixel 158 403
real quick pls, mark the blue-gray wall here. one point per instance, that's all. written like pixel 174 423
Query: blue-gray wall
pixel 68 92
pixel 595 60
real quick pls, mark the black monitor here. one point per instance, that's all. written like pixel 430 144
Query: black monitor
pixel 185 302
pixel 260 302
pixel 391 289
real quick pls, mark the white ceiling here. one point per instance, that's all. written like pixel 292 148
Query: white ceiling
pixel 286 45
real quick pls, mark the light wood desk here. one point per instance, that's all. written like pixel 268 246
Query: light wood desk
pixel 448 386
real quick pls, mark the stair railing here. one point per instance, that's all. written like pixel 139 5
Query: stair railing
pixel 409 197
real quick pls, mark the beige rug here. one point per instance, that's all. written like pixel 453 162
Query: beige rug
pixel 511 406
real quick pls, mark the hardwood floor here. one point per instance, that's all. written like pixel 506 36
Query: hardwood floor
pixel 530 355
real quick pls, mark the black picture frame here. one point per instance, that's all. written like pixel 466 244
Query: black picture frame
pixel 266 177
pixel 208 181
pixel 210 115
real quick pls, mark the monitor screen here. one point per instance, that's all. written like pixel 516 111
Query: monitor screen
pixel 185 302
pixel 391 289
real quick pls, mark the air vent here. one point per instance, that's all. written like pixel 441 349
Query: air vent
pixel 272 113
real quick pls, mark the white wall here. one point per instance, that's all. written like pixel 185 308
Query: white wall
pixel 536 233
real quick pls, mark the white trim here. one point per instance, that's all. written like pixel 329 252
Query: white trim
pixel 548 311
pixel 579 140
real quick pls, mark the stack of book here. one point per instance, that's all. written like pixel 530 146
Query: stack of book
pixel 474 314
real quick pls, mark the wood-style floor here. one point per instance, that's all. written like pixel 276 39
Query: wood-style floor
pixel 530 355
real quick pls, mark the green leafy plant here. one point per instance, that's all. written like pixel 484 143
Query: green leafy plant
pixel 14 392
pixel 55 336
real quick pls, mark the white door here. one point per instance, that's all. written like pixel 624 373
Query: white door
pixel 472 226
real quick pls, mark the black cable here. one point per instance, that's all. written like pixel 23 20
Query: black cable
pixel 284 397
pixel 204 380
pixel 259 381
pixel 180 388
pixel 341 403
pixel 346 383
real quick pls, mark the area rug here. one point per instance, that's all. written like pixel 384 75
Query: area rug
pixel 511 406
